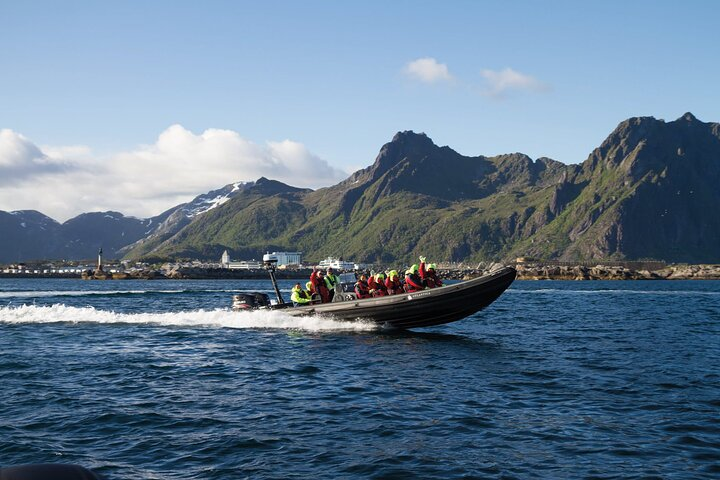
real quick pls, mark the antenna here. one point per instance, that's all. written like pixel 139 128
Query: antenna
pixel 270 263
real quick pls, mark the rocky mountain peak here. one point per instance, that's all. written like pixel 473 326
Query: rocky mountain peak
pixel 407 144
pixel 689 118
pixel 272 187
pixel 409 137
pixel 640 144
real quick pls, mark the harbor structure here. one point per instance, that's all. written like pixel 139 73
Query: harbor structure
pixel 284 259
pixel 338 264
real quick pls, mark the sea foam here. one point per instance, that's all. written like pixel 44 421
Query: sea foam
pixel 219 318
pixel 10 294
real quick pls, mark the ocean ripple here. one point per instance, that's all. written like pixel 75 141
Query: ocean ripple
pixel 565 384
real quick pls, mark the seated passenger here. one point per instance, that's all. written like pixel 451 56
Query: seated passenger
pixel 428 275
pixel 371 281
pixel 393 283
pixel 361 287
pixel 413 282
pixel 380 290
pixel 318 280
pixel 432 276
pixel 315 297
pixel 299 296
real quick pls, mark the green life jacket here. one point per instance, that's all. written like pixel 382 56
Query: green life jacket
pixel 330 281
pixel 299 296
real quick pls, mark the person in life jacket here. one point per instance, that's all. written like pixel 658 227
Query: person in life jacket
pixel 413 282
pixel 331 281
pixel 393 283
pixel 318 280
pixel 361 287
pixel 429 275
pixel 299 296
pixel 314 297
pixel 372 284
pixel 380 290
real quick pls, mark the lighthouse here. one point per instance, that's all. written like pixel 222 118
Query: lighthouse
pixel 98 274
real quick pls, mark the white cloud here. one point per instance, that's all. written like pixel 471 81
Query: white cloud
pixel 500 83
pixel 21 159
pixel 78 153
pixel 428 70
pixel 65 181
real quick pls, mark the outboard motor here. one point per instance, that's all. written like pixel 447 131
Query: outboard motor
pixel 262 299
pixel 244 301
pixel 251 301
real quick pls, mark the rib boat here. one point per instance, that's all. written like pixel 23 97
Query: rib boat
pixel 424 308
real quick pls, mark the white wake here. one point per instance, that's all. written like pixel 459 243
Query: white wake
pixel 87 293
pixel 220 318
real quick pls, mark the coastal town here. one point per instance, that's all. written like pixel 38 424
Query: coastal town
pixel 292 265
pixel 289 264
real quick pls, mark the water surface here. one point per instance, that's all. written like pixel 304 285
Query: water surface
pixel 159 379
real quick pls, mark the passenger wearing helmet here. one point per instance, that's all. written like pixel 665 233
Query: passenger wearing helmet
pixel 299 296
pixel 372 284
pixel 361 287
pixel 379 284
pixel 393 283
pixel 413 282
pixel 429 275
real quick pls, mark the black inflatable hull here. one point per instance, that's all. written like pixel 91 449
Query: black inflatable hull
pixel 419 309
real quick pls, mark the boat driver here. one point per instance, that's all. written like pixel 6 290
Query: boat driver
pixel 299 296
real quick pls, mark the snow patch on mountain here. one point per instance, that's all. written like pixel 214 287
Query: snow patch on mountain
pixel 207 205
pixel 208 201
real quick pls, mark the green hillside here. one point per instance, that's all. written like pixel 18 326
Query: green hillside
pixel 644 193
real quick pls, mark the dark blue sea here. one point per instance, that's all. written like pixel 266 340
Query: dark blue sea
pixel 161 380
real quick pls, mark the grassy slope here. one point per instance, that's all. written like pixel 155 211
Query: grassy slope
pixel 452 208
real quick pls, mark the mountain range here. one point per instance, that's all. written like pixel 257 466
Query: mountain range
pixel 649 191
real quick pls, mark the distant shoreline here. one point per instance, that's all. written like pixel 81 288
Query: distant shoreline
pixel 603 272
pixel 525 272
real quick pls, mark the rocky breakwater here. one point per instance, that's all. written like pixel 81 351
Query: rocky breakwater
pixel 609 272
pixel 691 272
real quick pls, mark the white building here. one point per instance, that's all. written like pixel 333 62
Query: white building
pixel 283 259
pixel 245 265
pixel 225 262
pixel 286 258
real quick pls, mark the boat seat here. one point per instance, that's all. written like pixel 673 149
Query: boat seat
pixel 344 297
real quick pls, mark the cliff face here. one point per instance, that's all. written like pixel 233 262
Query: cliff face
pixel 672 212
pixel 650 190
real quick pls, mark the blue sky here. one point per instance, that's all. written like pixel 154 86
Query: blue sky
pixel 88 88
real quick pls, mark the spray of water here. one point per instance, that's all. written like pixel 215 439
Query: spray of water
pixel 220 318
